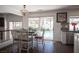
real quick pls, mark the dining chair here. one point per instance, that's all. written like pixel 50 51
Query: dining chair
pixel 15 46
pixel 24 42
pixel 40 38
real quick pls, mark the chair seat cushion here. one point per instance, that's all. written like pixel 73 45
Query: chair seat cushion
pixel 38 37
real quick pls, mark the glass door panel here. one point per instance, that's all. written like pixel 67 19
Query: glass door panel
pixel 43 23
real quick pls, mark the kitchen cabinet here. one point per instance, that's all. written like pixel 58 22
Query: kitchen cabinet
pixel 69 38
pixel 76 42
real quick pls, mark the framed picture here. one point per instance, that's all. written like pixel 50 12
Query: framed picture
pixel 62 17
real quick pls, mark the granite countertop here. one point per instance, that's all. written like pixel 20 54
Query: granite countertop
pixel 72 31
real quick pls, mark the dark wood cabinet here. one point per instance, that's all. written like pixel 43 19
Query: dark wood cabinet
pixel 69 37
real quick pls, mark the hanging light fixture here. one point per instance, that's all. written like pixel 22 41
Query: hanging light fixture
pixel 24 11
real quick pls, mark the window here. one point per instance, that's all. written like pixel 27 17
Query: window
pixel 33 22
pixel 74 19
pixel 46 23
pixel 15 25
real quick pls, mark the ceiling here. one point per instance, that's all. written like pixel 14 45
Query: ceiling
pixel 34 8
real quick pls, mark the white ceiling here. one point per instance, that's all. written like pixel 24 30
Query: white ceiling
pixel 34 8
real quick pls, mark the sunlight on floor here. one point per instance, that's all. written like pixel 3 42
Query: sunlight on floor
pixel 48 35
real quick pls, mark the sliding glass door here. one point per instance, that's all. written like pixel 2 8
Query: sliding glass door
pixel 43 23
